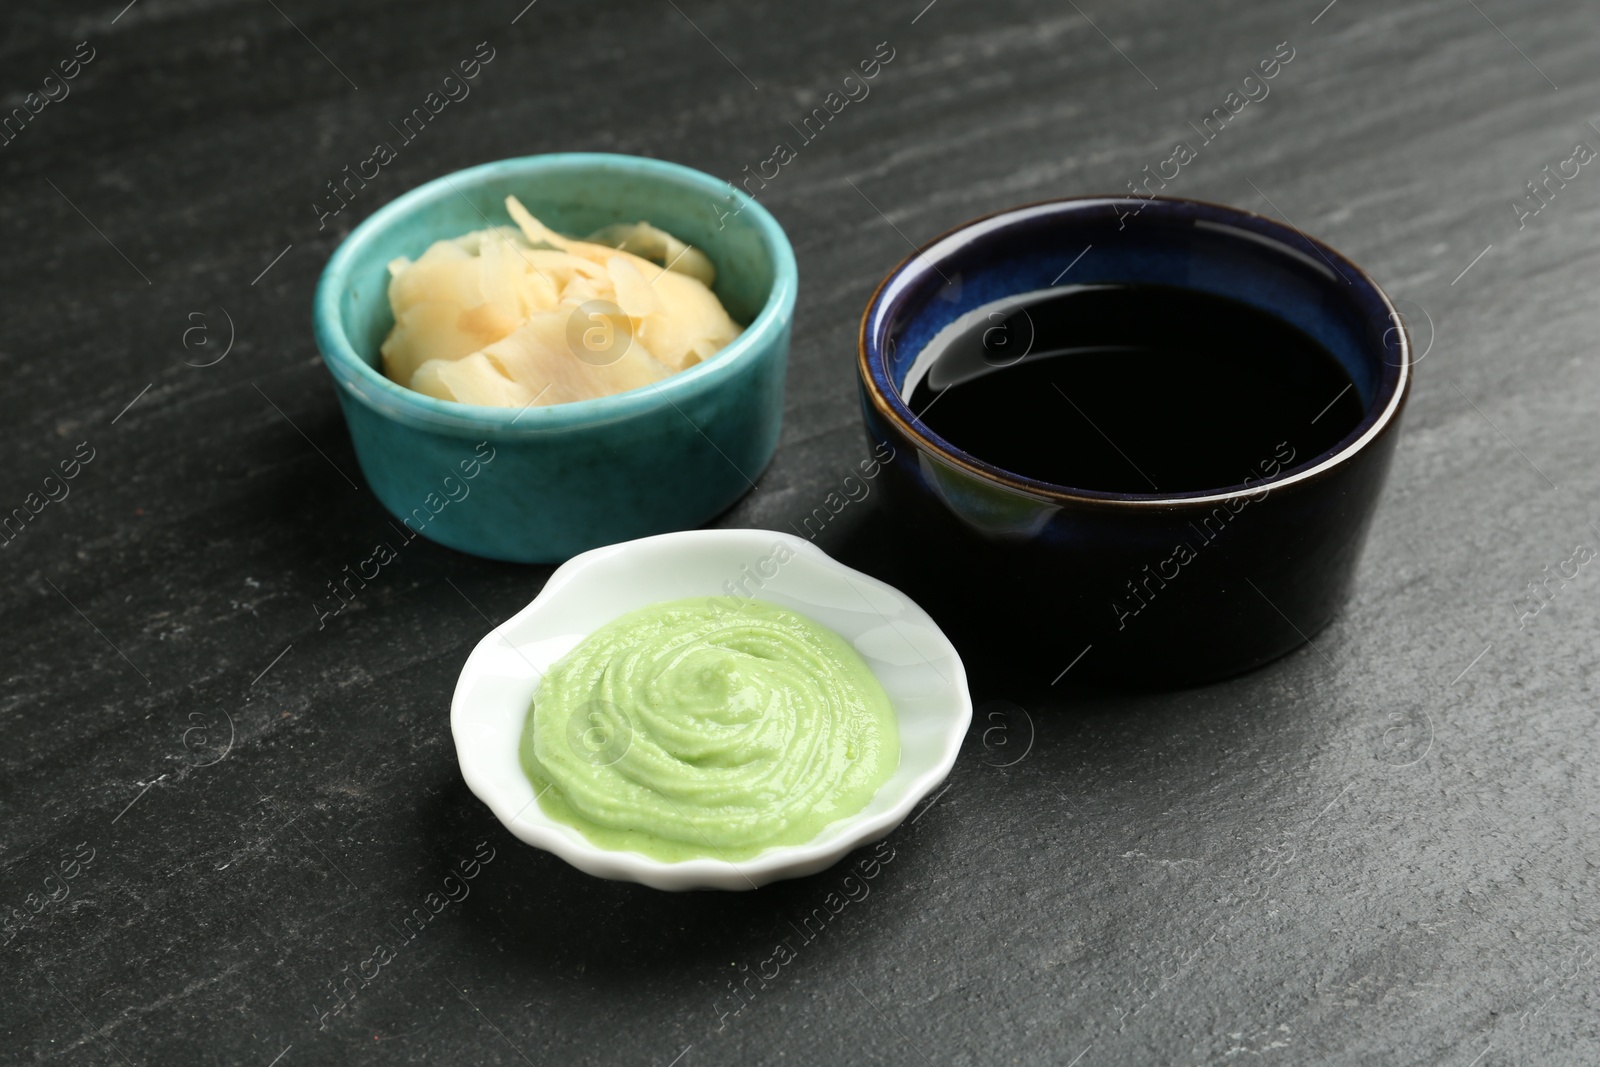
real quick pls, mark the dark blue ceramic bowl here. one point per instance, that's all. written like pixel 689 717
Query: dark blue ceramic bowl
pixel 1061 576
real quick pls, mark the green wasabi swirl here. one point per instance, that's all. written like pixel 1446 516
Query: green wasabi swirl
pixel 692 729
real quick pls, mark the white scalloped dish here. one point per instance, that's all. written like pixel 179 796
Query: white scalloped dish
pixel 916 664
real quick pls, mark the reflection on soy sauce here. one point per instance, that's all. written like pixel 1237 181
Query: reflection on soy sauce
pixel 1129 388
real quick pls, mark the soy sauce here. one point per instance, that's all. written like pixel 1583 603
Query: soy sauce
pixel 1131 388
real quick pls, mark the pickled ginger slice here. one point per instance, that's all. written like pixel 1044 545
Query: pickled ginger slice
pixel 435 329
pixel 658 246
pixel 540 234
pixel 534 230
pixel 691 324
pixel 633 293
pixel 542 356
pixel 470 380
pixel 445 272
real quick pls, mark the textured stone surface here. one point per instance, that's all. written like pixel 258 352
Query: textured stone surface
pixel 1357 854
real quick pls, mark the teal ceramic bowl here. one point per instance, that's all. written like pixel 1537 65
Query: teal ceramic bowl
pixel 541 484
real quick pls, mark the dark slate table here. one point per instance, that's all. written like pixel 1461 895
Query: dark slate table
pixel 1380 849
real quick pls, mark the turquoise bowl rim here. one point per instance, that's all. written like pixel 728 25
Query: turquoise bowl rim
pixel 397 401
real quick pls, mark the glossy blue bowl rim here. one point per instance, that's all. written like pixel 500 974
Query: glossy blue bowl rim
pixel 399 401
pixel 1389 397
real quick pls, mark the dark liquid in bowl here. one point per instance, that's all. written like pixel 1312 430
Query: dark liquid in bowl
pixel 1131 389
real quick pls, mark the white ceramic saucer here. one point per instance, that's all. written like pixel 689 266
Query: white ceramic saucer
pixel 914 661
